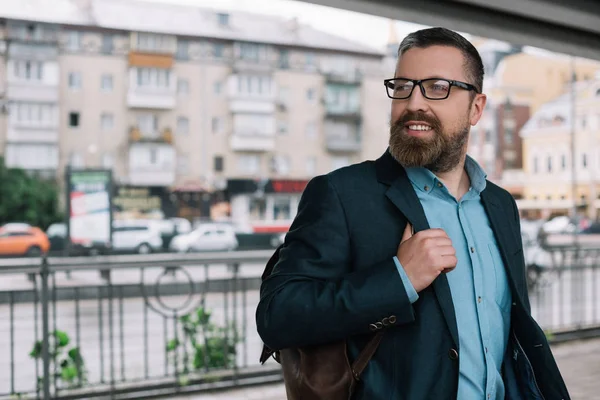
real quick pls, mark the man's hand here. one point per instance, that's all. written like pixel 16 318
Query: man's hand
pixel 425 255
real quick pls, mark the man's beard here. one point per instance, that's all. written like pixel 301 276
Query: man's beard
pixel 440 153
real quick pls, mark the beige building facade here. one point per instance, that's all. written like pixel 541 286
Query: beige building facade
pixel 188 110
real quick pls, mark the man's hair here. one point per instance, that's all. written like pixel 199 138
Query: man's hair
pixel 445 37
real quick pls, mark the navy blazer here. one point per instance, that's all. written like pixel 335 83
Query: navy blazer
pixel 336 279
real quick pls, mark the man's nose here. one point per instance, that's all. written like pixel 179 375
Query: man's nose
pixel 416 101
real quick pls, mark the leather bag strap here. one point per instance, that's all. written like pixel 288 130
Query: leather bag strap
pixel 361 362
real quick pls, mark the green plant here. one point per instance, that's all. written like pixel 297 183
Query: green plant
pixel 210 346
pixel 66 363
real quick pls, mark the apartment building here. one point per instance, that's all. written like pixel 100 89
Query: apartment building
pixel 187 106
pixel 547 174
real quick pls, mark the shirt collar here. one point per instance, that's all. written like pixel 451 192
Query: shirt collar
pixel 425 180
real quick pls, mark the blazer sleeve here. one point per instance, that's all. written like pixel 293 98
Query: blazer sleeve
pixel 314 294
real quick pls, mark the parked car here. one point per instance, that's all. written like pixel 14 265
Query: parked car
pixel 57 234
pixel 206 237
pixel 142 237
pixel 18 240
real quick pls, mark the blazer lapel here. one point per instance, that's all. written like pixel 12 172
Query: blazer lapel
pixel 403 196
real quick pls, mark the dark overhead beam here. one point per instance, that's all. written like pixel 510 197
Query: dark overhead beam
pixel 490 21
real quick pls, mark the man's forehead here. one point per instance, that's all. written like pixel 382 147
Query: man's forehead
pixel 434 61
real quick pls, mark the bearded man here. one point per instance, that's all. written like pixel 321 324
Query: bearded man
pixel 417 244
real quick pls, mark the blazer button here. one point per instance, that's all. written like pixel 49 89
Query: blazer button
pixel 392 319
pixel 373 327
pixel 379 325
pixel 386 321
pixel 453 354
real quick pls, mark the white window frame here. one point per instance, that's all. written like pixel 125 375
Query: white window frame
pixel 183 125
pixel 107 121
pixel 75 80
pixel 153 78
pixel 107 83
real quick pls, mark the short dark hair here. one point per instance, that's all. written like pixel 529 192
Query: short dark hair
pixel 445 37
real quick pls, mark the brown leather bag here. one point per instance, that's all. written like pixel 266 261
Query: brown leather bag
pixel 320 372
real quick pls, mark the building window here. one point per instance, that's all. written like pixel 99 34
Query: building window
pixel 38 114
pixel 183 125
pixel 107 161
pixel 284 59
pixel 29 70
pixel 74 41
pixel 153 42
pixel 254 85
pixel 280 165
pixel 311 166
pixel 219 164
pixel 217 125
pixel 218 50
pixel 76 160
pixel 311 130
pixel 106 83
pixel 549 164
pixel 563 162
pixel 509 135
pixel 310 60
pixel 107 43
pixel 252 51
pixel 282 127
pixel 183 164
pixel 584 160
pixel 74 119
pixel 339 162
pixel 284 95
pixel 488 135
pixel 153 78
pixel 148 125
pixel 282 208
pixel 183 50
pixel 183 87
pixel 535 165
pixel 75 80
pixel 311 95
pixel 249 164
pixel 218 87
pixel 106 121
pixel 223 19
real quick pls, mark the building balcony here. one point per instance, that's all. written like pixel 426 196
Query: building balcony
pixel 164 136
pixel 352 77
pixel 252 142
pixel 32 91
pixel 151 164
pixel 351 112
pixel 258 105
pixel 19 133
pixel 163 99
pixel 338 144
pixel 248 65
pixel 32 156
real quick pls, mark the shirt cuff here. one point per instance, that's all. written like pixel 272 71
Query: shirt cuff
pixel 410 290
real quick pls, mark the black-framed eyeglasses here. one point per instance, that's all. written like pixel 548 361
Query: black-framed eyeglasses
pixel 431 88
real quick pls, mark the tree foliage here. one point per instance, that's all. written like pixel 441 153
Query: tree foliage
pixel 24 198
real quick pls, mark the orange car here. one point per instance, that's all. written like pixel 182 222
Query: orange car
pixel 22 240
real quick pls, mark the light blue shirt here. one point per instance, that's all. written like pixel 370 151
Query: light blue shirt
pixel 479 286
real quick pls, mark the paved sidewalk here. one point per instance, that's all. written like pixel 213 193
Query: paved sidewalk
pixel 579 363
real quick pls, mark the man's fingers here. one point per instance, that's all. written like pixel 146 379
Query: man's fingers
pixel 408 232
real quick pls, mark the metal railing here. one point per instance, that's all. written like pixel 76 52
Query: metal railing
pixel 137 327
pixel 131 327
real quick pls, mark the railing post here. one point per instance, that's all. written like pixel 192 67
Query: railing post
pixel 45 300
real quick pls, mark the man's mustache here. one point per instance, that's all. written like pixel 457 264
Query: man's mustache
pixel 417 116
